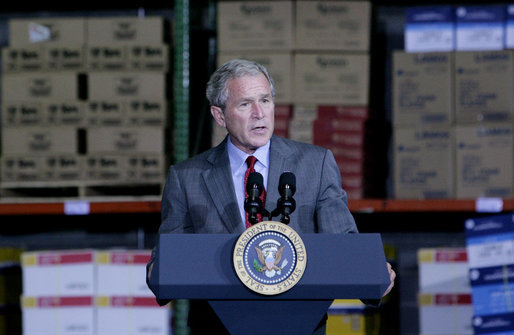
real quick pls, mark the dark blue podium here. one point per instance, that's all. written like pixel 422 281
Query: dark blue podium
pixel 339 266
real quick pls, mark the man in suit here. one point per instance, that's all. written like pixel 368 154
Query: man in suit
pixel 205 194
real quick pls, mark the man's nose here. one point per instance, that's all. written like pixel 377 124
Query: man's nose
pixel 257 111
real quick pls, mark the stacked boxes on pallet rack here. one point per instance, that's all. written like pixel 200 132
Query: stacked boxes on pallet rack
pixel 84 105
pixel 452 105
pixel 490 246
pixel 90 292
pixel 318 54
pixel 444 292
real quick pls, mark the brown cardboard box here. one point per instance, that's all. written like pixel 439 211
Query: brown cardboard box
pixel 47 30
pixel 255 25
pixel 125 140
pixel 25 86
pixel 333 25
pixel 126 85
pixel 23 58
pixel 331 79
pixel 43 140
pixel 483 86
pixel 484 165
pixel 125 30
pixel 423 160
pixel 423 88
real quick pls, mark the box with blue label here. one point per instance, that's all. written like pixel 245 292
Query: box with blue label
pixel 490 240
pixel 494 324
pixel 492 289
pixel 480 27
pixel 509 27
pixel 429 28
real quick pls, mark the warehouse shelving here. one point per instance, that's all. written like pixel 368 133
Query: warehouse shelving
pixel 154 206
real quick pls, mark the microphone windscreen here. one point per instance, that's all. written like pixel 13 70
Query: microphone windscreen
pixel 255 179
pixel 287 178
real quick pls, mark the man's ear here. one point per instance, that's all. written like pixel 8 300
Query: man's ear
pixel 218 115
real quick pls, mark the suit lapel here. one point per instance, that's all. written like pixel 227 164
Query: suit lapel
pixel 220 187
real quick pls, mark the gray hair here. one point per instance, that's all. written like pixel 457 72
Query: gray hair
pixel 217 91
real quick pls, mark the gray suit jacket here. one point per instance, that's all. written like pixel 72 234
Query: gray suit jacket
pixel 199 194
pixel 199 197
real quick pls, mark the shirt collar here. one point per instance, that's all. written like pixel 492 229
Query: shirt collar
pixel 238 157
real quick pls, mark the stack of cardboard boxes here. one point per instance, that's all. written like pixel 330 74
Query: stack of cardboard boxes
pixel 89 292
pixel 318 54
pixel 444 293
pixel 452 106
pixel 84 102
pixel 490 246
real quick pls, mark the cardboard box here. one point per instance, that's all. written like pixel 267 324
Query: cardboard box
pixel 22 168
pixel 122 273
pixel 146 168
pixel 331 79
pixel 23 58
pixel 131 315
pixel 65 57
pixel 443 270
pixel 106 57
pixel 416 100
pixel 26 86
pixel 279 65
pixel 480 27
pixel 333 25
pixel 250 25
pixel 443 314
pixel 492 289
pixel 106 112
pixel 429 29
pixel 484 161
pixel 423 161
pixel 43 140
pixel 47 30
pixel 22 114
pixel 126 85
pixel 67 273
pixel 125 30
pixel 125 140
pixel 148 57
pixel 483 86
pixel 509 27
pixel 64 113
pixel 494 324
pixel 50 315
pixel 146 112
pixel 105 168
pixel 489 241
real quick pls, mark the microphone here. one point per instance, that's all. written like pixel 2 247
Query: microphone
pixel 253 204
pixel 286 204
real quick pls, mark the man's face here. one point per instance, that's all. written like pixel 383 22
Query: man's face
pixel 249 113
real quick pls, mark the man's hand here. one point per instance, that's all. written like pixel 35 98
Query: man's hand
pixel 392 276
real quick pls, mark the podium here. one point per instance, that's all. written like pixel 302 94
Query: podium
pixel 339 266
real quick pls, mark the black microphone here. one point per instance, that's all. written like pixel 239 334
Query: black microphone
pixel 287 188
pixel 285 204
pixel 253 204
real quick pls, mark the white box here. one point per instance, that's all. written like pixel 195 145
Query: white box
pixel 131 315
pixel 51 315
pixel 122 273
pixel 480 27
pixel 429 29
pixel 492 289
pixel 443 270
pixel 58 273
pixel 443 314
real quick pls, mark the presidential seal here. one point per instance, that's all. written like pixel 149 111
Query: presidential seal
pixel 269 258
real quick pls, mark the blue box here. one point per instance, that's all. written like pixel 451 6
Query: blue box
pixel 429 29
pixel 500 324
pixel 492 289
pixel 480 27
